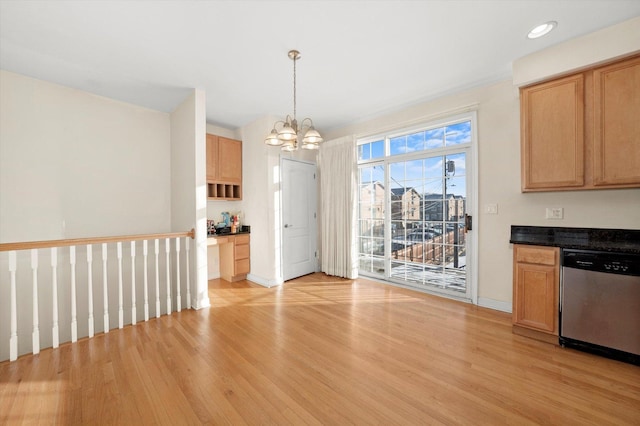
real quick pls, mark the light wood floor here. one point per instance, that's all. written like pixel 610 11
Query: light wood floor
pixel 319 350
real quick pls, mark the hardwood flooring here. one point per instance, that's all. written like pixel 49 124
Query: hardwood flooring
pixel 319 350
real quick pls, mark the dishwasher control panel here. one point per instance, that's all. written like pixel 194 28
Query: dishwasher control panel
pixel 602 261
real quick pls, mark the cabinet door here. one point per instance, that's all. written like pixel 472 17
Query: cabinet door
pixel 552 125
pixel 617 123
pixel 212 154
pixel 536 288
pixel 229 160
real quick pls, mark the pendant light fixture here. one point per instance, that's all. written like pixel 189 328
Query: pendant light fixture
pixel 286 134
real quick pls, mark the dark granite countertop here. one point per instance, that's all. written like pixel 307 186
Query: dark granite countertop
pixel 613 240
pixel 225 232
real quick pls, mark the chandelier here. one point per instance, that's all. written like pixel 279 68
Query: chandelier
pixel 290 131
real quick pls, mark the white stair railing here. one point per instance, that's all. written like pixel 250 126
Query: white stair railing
pixel 55 332
pixel 74 306
pixel 35 334
pixel 63 280
pixel 105 289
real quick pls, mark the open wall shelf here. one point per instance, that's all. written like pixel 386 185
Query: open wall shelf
pixel 224 191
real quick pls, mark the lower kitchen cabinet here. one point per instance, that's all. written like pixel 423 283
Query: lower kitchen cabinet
pixel 536 288
pixel 235 262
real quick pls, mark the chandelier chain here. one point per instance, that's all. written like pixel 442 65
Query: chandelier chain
pixel 294 87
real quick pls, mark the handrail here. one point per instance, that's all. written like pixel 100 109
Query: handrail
pixel 27 245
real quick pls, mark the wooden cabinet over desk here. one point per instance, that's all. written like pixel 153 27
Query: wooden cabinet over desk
pixel 224 168
pixel 536 288
pixel 582 131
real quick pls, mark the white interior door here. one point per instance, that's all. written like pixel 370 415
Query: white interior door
pixel 299 200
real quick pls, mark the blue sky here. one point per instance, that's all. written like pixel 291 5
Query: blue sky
pixel 425 175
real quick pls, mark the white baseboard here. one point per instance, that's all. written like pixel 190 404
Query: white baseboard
pixel 201 304
pixel 498 305
pixel 263 282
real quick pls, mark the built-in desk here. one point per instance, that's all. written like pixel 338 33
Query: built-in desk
pixel 235 262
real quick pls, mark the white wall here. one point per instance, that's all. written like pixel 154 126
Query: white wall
pixel 188 184
pixel 612 42
pixel 97 165
pixel 499 183
pixel 101 166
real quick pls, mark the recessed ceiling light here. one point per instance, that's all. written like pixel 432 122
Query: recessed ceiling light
pixel 542 29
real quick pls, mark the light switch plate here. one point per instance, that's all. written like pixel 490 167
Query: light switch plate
pixel 554 213
pixel 491 208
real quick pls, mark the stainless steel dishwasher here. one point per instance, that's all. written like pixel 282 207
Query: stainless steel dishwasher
pixel 600 303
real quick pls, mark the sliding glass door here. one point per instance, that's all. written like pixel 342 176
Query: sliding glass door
pixel 413 200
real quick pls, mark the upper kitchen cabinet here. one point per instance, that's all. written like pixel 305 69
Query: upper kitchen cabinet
pixel 581 131
pixel 552 126
pixel 212 158
pixel 224 168
pixel 616 138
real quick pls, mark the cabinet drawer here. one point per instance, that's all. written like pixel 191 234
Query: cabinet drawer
pixel 537 255
pixel 242 251
pixel 243 266
pixel 242 239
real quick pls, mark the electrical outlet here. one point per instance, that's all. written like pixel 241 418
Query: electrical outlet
pixel 491 208
pixel 554 213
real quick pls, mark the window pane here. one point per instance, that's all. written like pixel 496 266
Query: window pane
pixel 372 178
pixel 433 188
pixel 396 210
pixel 377 229
pixel 434 228
pixel 364 228
pixel 456 186
pixel 459 133
pixel 415 142
pixel 366 175
pixel 364 152
pixel 398 145
pixel 371 150
pixel 432 210
pixel 377 149
pixel 434 138
pixel 433 167
pixel 414 169
pixel 459 164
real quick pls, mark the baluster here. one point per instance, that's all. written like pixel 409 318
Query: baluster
pixel 186 248
pixel 90 289
pixel 178 293
pixel 120 307
pixel 157 244
pixel 167 250
pixel 35 335
pixel 55 334
pixel 74 313
pixel 146 290
pixel 13 339
pixel 105 288
pixel 133 282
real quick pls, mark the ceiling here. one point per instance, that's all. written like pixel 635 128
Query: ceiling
pixel 359 59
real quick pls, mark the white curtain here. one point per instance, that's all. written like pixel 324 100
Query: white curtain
pixel 338 197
